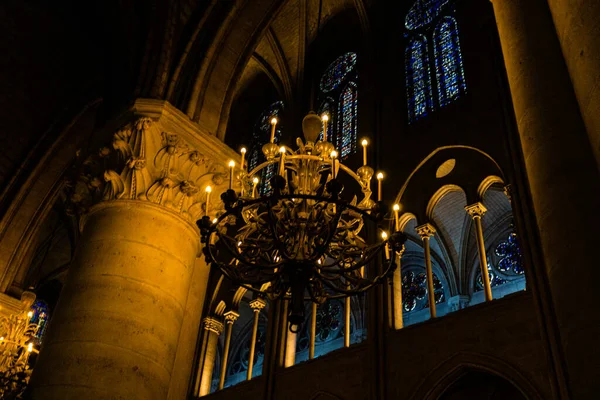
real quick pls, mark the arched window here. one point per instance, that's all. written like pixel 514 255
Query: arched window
pixel 260 136
pixel 505 267
pixel 414 291
pixel 418 79
pixel 432 49
pixel 338 97
pixel 448 61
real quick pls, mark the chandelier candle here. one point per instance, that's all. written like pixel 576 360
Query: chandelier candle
pixel 364 143
pixel 207 190
pixel 273 125
pixel 325 118
pixel 334 155
pixel 396 208
pixel 379 191
pixel 231 166
pixel 255 184
pixel 282 161
pixel 243 151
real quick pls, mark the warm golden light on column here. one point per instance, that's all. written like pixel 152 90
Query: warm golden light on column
pixel 476 211
pixel 230 318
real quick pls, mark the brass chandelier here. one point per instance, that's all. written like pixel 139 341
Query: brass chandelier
pixel 302 241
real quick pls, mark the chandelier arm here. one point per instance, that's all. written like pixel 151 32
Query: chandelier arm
pixel 235 254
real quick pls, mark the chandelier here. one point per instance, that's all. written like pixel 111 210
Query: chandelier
pixel 303 240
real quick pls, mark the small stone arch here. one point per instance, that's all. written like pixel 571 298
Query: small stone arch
pixel 442 377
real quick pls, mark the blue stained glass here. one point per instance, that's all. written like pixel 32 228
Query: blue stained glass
pixel 414 291
pixel 40 318
pixel 418 79
pixel 346 140
pixel 509 251
pixel 337 71
pixel 423 12
pixel 448 61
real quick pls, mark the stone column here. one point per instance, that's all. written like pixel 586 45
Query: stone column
pixel 564 184
pixel 117 327
pixel 426 231
pixel 257 305
pixel 578 31
pixel 212 331
pixel 230 318
pixel 476 211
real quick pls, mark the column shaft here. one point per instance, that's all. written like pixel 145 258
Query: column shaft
pixel 347 311
pixel 253 343
pixel 116 327
pixel 429 271
pixel 397 293
pixel 485 275
pixel 228 331
pixel 313 332
pixel 564 184
pixel 209 362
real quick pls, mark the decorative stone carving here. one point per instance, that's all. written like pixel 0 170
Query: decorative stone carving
pixel 476 210
pixel 149 165
pixel 231 317
pixel 211 324
pixel 426 230
pixel 257 305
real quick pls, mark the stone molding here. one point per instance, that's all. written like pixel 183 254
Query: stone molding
pixel 156 157
pixel 476 210
pixel 425 231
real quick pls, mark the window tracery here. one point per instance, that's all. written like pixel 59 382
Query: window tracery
pixel 414 291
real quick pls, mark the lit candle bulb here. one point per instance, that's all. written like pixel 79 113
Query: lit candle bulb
pixel 365 142
pixel 255 182
pixel 207 190
pixel 334 155
pixel 30 347
pixel 384 236
pixel 273 125
pixel 282 161
pixel 243 151
pixel 379 191
pixel 325 118
pixel 231 166
pixel 30 314
pixel 396 208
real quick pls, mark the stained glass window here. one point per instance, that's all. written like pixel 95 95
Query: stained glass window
pixel 418 79
pixel 260 136
pixel 338 96
pixel 448 61
pixel 414 291
pixel 40 318
pixel 444 53
pixel 337 71
pixel 506 264
pixel 423 12
pixel 346 138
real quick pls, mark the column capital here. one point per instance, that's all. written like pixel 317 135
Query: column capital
pixel 425 231
pixel 158 157
pixel 212 324
pixel 476 209
pixel 258 304
pixel 231 316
